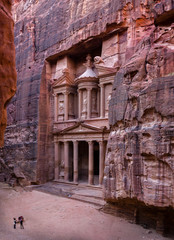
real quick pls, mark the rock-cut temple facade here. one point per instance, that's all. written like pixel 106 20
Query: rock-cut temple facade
pixel 94 100
pixel 80 126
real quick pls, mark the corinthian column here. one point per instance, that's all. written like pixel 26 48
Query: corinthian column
pixel 91 164
pixel 75 159
pixel 66 161
pixel 101 162
pixel 80 102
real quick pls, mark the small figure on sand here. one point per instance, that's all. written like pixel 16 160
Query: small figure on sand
pixel 14 221
pixel 21 219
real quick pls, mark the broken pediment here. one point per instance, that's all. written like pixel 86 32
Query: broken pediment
pixel 64 80
pixel 104 70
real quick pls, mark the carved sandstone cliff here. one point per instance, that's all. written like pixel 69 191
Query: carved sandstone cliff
pixel 139 161
pixel 7 63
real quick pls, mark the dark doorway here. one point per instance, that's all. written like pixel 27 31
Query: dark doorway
pixel 83 161
pixel 96 163
pixel 71 165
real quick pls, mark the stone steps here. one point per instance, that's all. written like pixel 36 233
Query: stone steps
pixel 81 192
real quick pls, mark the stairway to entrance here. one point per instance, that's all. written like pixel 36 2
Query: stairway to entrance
pixel 81 192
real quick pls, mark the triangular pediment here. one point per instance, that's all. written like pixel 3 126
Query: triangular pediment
pixel 64 80
pixel 81 128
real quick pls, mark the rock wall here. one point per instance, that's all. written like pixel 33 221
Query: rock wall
pixel 7 63
pixel 7 73
pixel 139 161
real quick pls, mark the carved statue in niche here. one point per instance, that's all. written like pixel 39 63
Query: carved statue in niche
pixel 71 106
pixel 88 63
pixel 84 104
pixel 98 60
pixel 108 99
pixel 84 109
pixel 60 107
pixel 94 112
pixel 107 105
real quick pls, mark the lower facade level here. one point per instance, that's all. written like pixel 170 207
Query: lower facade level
pixel 80 161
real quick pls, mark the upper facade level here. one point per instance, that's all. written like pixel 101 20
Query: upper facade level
pixel 86 96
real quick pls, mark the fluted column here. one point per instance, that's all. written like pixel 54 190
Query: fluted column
pixel 91 163
pixel 101 162
pixel 66 161
pixel 57 161
pixel 102 101
pixel 80 102
pixel 66 106
pixel 89 102
pixel 55 108
pixel 75 159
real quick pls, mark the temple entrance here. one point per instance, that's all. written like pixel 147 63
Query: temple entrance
pixel 96 163
pixel 83 161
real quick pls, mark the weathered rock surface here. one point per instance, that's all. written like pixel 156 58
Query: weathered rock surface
pixel 7 63
pixel 140 161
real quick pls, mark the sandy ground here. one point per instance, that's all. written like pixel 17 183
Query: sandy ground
pixel 50 217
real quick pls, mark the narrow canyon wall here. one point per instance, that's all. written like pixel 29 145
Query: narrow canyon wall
pixel 7 63
pixel 7 72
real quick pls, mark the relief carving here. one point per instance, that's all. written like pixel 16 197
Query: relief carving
pixel 61 107
pixel 84 105
pixel 71 106
pixel 94 112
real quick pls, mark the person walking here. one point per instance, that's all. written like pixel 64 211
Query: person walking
pixel 14 221
pixel 21 219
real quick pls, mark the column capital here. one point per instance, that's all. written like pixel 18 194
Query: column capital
pixel 89 88
pixel 79 90
pixel 66 92
pixel 101 85
pixel 90 142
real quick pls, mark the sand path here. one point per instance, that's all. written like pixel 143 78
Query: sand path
pixel 49 217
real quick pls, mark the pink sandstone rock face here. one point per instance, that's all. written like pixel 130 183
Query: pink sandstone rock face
pixel 7 63
pixel 139 162
pixel 139 159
